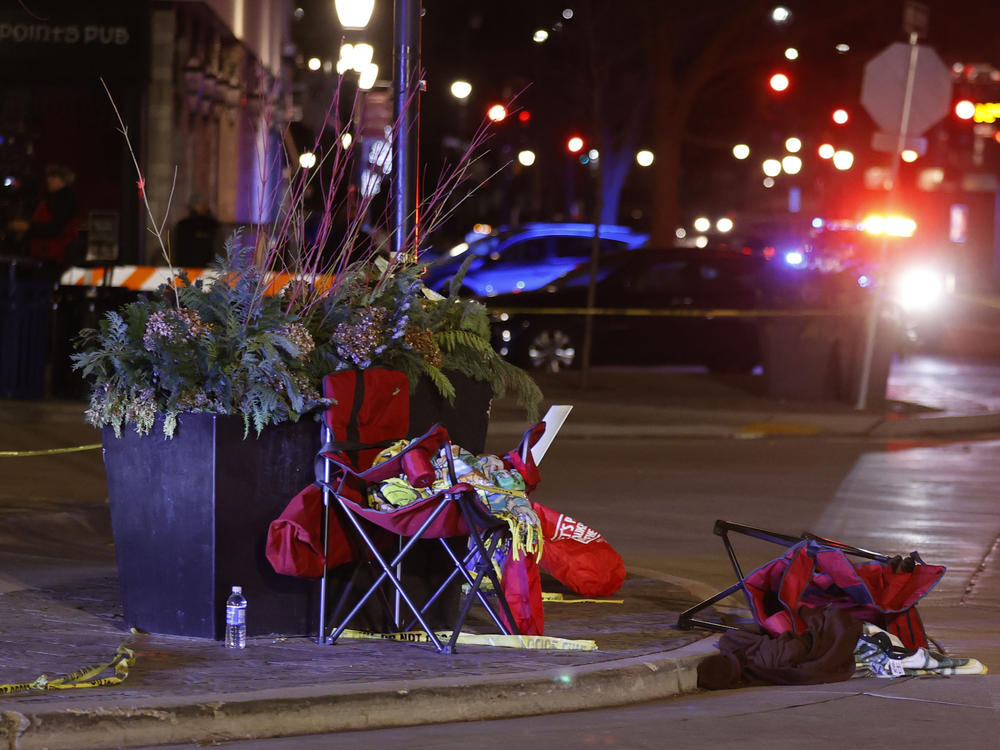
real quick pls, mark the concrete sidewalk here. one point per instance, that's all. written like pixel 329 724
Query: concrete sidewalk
pixel 60 609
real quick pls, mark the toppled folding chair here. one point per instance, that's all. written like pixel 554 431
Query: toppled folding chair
pixel 816 572
pixel 370 411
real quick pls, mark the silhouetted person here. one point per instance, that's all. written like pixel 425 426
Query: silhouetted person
pixel 193 241
pixel 53 230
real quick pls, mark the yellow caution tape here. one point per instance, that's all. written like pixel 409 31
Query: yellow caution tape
pixel 556 597
pixel 476 639
pixel 50 451
pixel 675 313
pixel 81 678
pixel 778 428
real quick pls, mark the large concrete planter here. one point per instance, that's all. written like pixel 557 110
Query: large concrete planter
pixel 190 514
pixel 190 517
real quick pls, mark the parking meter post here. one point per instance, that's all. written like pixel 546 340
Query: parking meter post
pixel 876 306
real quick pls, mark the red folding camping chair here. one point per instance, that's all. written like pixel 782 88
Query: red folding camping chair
pixel 814 572
pixel 369 411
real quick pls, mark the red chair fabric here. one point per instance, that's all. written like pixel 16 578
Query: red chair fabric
pixel 295 538
pixel 814 575
pixel 369 407
pixel 522 588
pixel 406 520
pixel 577 556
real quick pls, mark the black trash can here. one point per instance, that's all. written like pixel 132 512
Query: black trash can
pixel 25 302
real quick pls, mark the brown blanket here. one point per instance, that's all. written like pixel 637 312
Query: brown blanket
pixel 824 653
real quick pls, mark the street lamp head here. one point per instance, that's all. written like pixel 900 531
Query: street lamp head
pixel 780 14
pixel 345 61
pixel 461 89
pixel 843 160
pixel 771 167
pixel 354 14
pixel 369 74
pixel 363 55
pixel 791 164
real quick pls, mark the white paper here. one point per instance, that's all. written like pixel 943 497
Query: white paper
pixel 553 419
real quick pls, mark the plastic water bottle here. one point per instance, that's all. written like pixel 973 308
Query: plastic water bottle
pixel 236 619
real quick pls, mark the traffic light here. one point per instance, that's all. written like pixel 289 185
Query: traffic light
pixel 575 144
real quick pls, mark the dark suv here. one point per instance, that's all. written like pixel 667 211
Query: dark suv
pixel 675 305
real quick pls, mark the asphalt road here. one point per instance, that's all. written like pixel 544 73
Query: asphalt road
pixel 844 715
pixel 656 501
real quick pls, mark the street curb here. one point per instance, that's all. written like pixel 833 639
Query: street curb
pixel 937 424
pixel 335 708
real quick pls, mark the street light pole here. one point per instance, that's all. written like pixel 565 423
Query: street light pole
pixel 406 54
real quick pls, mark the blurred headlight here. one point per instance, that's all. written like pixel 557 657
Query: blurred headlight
pixel 794 258
pixel 920 289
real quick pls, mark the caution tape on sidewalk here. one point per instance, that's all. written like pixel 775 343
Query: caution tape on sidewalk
pixel 86 677
pixel 556 597
pixel 547 642
pixel 50 451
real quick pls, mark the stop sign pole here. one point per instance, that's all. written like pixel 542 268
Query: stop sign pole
pixel 875 311
pixel 881 76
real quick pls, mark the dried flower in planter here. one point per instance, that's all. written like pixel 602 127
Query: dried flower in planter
pixel 234 342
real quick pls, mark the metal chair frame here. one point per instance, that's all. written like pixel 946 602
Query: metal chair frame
pixel 687 621
pixel 486 534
